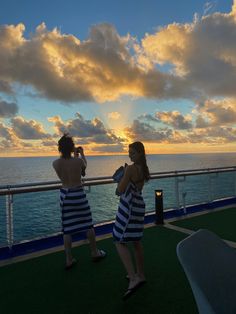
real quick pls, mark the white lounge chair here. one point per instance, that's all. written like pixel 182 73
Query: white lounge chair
pixel 210 266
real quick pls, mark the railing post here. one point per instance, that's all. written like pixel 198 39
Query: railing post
pixel 184 201
pixel 177 191
pixel 9 218
pixel 211 176
pixel 87 188
pixel 235 183
pixel 209 188
pixel 177 181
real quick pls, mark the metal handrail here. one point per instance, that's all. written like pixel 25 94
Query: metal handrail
pixel 54 185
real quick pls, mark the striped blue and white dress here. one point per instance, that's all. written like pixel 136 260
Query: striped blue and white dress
pixel 75 210
pixel 129 220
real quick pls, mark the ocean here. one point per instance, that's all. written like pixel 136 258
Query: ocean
pixel 38 214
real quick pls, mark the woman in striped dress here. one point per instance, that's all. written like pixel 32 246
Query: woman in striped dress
pixel 75 211
pixel 129 221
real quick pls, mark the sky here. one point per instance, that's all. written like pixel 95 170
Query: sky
pixel 113 72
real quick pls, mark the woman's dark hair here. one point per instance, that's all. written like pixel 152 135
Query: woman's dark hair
pixel 66 146
pixel 139 148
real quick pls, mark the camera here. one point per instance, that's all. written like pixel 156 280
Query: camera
pixel 78 149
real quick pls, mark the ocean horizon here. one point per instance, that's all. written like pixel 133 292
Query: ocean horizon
pixel 17 170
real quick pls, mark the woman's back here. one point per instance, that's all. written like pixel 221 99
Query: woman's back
pixel 137 176
pixel 69 171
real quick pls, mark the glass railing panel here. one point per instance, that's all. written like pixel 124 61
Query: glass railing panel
pixel 103 202
pixel 36 214
pixel 195 189
pixel 206 187
pixel 168 187
pixel 223 185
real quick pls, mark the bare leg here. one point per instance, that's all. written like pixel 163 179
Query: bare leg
pixel 92 242
pixel 126 259
pixel 139 258
pixel 67 245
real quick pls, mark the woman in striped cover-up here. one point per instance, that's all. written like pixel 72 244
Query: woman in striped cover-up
pixel 75 210
pixel 129 221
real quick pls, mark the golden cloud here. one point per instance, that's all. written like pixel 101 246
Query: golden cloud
pixel 114 115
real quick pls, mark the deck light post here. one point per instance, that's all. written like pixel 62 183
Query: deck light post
pixel 159 207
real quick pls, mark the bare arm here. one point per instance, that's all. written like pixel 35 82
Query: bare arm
pixel 79 150
pixel 83 157
pixel 122 185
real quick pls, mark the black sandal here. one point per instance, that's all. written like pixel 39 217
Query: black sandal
pixel 131 291
pixel 71 265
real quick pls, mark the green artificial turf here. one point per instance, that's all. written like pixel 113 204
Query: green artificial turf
pixel 41 285
pixel 221 222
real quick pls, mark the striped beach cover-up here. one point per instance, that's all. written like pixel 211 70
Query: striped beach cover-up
pixel 75 210
pixel 129 220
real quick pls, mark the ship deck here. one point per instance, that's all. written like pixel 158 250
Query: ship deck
pixel 41 285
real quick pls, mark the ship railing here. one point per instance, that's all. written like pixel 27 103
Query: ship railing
pixel 179 177
pixel 54 185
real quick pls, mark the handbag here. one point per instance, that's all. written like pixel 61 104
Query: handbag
pixel 118 174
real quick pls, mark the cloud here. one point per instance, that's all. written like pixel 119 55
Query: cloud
pixel 119 148
pixel 28 129
pixel 200 122
pixel 217 112
pixel 5 87
pixel 87 131
pixel 205 133
pixel 213 135
pixel 62 67
pixel 175 119
pixel 5 132
pixel 202 53
pixel 49 143
pixel 106 65
pixel 142 131
pixel 7 109
pixel 114 115
pixel 172 118
pixel 17 138
pixel 8 139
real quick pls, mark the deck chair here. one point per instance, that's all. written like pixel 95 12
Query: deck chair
pixel 210 266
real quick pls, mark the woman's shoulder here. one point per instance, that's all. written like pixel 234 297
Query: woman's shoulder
pixel 132 166
pixel 130 169
pixel 55 162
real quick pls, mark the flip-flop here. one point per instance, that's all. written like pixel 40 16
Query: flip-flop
pixel 71 265
pixel 141 281
pixel 101 255
pixel 131 291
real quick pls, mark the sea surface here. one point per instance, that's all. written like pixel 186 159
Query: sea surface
pixel 38 214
